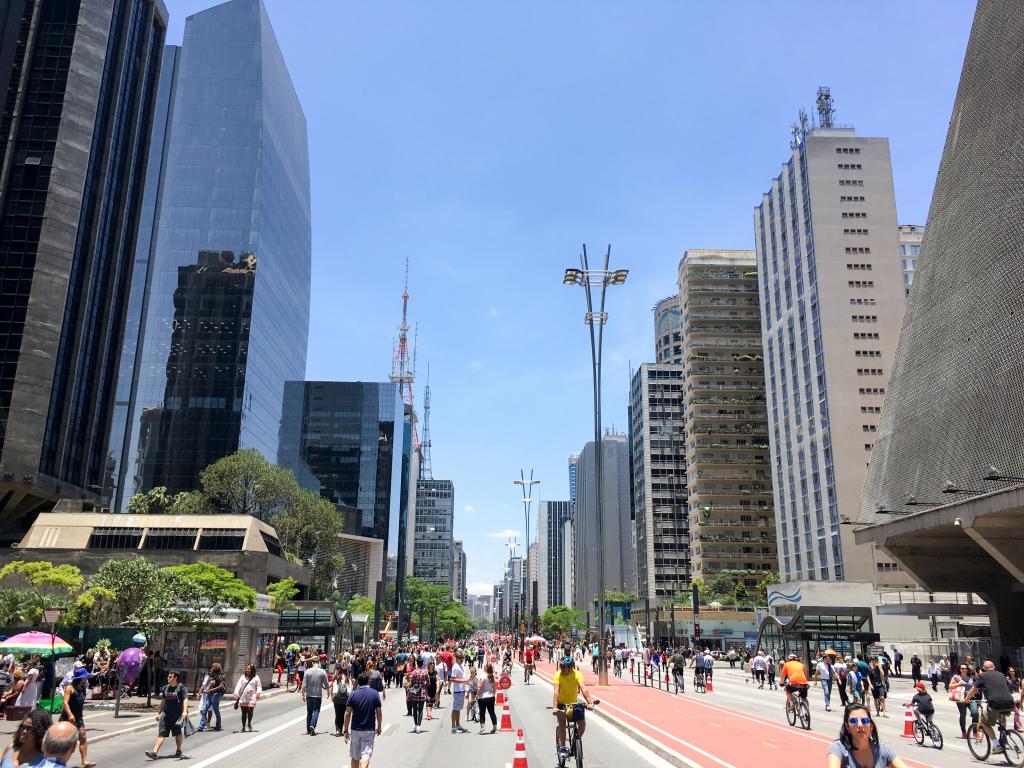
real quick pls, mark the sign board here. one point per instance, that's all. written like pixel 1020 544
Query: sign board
pixel 573 631
pixel 389 616
pixel 265 602
pixel 504 682
pixel 836 637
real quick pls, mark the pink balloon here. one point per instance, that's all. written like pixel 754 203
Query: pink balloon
pixel 129 663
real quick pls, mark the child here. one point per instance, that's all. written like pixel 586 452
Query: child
pixel 922 702
pixel 473 686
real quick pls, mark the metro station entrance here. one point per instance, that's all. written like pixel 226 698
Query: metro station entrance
pixel 813 629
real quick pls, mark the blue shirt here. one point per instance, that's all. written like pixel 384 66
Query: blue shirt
pixel 880 753
pixel 364 703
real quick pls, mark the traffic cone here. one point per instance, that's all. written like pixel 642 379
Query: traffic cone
pixel 908 723
pixel 506 719
pixel 666 675
pixel 500 700
pixel 710 687
pixel 519 761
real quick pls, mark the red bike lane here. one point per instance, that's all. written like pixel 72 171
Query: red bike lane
pixel 703 733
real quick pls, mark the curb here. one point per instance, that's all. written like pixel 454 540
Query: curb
pixel 151 722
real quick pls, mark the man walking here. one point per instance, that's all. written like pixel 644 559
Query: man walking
pixel 459 678
pixel 824 673
pixel 314 683
pixel 363 719
pixel 173 710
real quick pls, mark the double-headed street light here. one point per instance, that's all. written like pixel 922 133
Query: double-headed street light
pixel 527 486
pixel 589 279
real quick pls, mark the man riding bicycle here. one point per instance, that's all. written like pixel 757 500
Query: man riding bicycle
pixel 569 687
pixel 794 679
pixel 992 683
pixel 527 663
pixel 678 668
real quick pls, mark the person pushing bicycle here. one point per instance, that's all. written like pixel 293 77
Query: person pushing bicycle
pixel 568 682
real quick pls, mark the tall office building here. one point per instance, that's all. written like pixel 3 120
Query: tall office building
pixel 668 332
pixel 459 594
pixel 226 295
pixel 513 587
pixel 81 87
pixel 911 237
pixel 657 455
pixel 832 300
pixel 432 555
pixel 552 517
pixel 618 565
pixel 728 465
pixel 573 462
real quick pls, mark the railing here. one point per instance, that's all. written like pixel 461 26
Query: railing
pixel 750 387
pixel 731 523
pixel 748 343
pixel 649 676
pixel 918 597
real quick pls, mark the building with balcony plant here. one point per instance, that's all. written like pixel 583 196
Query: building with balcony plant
pixel 728 465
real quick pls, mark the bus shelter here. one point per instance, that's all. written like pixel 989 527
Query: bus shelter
pixel 813 629
pixel 317 625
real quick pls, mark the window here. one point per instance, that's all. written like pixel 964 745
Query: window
pixel 887 567
pixel 868 353
pixel 864 318
pixel 863 302
pixel 851 182
pixel 854 215
pixel 861 283
pixel 847 150
pixel 871 390
pixel 868 427
pixel 115 538
pixel 859 267
pixel 855 231
pixel 857 250
pixel 851 198
pixel 222 539
pixel 865 336
pixel 870 409
pixel 870 372
pixel 273 545
pixel 867 446
pixel 848 166
pixel 170 538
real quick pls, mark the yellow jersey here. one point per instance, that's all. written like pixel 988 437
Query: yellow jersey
pixel 568 686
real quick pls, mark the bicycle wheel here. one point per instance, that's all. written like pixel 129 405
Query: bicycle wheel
pixel 936 735
pixel 791 713
pixel 978 742
pixel 918 732
pixel 1013 748
pixel 578 750
pixel 805 715
pixel 292 685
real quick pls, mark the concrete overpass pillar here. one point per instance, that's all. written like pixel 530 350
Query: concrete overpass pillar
pixel 1006 616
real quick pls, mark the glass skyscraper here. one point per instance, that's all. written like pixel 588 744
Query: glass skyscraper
pixel 223 296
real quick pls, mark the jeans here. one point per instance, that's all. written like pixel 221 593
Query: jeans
pixel 971 706
pixel 210 704
pixel 312 711
pixel 826 689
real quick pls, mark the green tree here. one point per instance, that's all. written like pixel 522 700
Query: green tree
pixel 144 595
pixel 769 578
pixel 48 585
pixel 204 591
pixel 741 595
pixel 283 592
pixel 13 606
pixel 245 483
pixel 307 529
pixel 191 503
pixel 558 621
pixel 452 621
pixel 153 502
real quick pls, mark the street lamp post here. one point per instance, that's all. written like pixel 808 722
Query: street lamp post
pixel 527 486
pixel 589 279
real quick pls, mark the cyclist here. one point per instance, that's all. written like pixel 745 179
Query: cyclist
pixel 678 669
pixel 794 679
pixel 527 663
pixel 568 682
pixel 992 683
pixel 709 663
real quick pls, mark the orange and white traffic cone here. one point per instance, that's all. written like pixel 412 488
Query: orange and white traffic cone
pixel 710 687
pixel 519 761
pixel 908 723
pixel 506 719
pixel 500 699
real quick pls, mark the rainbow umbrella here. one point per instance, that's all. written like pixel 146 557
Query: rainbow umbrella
pixel 35 642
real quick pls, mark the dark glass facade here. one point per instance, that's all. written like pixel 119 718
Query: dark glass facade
pixel 226 312
pixel 77 115
pixel 347 441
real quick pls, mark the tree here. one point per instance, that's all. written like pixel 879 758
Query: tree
pixel 741 595
pixel 13 605
pixel 769 578
pixel 191 503
pixel 48 585
pixel 204 591
pixel 307 528
pixel 452 621
pixel 153 502
pixel 282 591
pixel 558 621
pixel 144 595
pixel 245 483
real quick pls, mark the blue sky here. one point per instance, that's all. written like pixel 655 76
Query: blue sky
pixel 486 141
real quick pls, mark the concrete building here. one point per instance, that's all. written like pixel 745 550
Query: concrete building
pixel 513 585
pixel 618 566
pixel 80 89
pixel 225 297
pixel 553 522
pixel 832 301
pixel 459 573
pixel 573 463
pixel 911 237
pixel 953 421
pixel 727 469
pixel 657 454
pixel 433 544
pixel 668 332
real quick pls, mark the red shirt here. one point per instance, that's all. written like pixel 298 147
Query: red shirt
pixel 528 656
pixel 448 658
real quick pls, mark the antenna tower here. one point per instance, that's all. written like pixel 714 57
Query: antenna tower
pixel 826 109
pixel 402 372
pixel 426 471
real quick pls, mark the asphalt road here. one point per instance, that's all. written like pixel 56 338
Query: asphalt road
pixel 279 740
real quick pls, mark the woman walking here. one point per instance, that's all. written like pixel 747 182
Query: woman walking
pixel 431 688
pixel 73 711
pixel 485 696
pixel 339 697
pixel 416 683
pixel 879 689
pixel 26 748
pixel 247 692
pixel 961 682
pixel 213 691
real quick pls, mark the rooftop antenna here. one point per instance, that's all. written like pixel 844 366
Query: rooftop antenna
pixel 826 109
pixel 402 371
pixel 799 130
pixel 426 471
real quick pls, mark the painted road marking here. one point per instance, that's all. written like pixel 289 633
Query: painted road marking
pixel 386 728
pixel 769 744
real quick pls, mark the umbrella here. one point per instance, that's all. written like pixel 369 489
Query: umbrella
pixel 216 644
pixel 535 639
pixel 35 642
pixel 293 647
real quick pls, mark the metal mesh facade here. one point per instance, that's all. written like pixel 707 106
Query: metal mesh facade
pixel 955 403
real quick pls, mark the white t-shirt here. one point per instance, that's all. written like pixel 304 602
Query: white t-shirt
pixel 709 661
pixel 758 663
pixel 824 671
pixel 458 671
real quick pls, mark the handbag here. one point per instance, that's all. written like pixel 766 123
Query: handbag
pixel 957 695
pixel 187 728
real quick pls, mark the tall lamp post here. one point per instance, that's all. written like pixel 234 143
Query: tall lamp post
pixel 589 279
pixel 527 486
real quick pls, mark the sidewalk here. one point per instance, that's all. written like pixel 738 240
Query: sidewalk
pixel 695 729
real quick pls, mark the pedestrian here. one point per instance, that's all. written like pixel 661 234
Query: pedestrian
pixel 961 682
pixel 213 691
pixel 339 696
pixel 173 710
pixel 769 665
pixel 897 662
pixel 30 691
pixel 363 719
pixel 933 674
pixel 915 668
pixel 858 743
pixel 248 690
pixel 840 671
pixel 472 687
pixel 58 745
pixel 824 672
pixel 879 690
pixel 945 672
pixel 459 679
pixel 416 683
pixel 280 664
pixel 432 693
pixel 314 683
pixel 376 678
pixel 26 748
pixel 485 697
pixel 73 711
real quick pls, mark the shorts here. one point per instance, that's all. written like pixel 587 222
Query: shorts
pixel 458 699
pixel 165 728
pixel 360 746
pixel 878 691
pixel 574 713
pixel 797 688
pixel 991 717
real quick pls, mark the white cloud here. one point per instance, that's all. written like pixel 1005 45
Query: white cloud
pixel 508 533
pixel 479 588
pixel 469 508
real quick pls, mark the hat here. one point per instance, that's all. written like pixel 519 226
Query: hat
pixel 792 656
pixel 919 685
pixel 81 674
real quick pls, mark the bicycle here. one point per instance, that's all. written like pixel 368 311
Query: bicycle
pixel 1010 741
pixel 797 709
pixel 572 738
pixel 680 679
pixel 923 728
pixel 293 682
pixel 699 686
pixel 527 673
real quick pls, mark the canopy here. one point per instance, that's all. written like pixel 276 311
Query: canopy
pixel 35 642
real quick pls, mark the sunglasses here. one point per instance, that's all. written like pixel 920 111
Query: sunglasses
pixel 25 727
pixel 860 720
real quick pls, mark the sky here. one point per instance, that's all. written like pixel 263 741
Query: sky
pixel 485 142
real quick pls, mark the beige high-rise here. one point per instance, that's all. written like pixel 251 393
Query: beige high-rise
pixel 832 301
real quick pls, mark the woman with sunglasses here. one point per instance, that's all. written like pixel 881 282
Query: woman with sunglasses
pixel 858 745
pixel 961 682
pixel 27 746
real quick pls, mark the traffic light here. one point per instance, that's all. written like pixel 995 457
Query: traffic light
pixel 696 600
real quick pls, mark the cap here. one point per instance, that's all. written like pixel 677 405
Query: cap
pixel 919 685
pixel 791 656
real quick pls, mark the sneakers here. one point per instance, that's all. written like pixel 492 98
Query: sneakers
pixel 178 754
pixel 152 755
pixel 460 729
pixel 416 729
